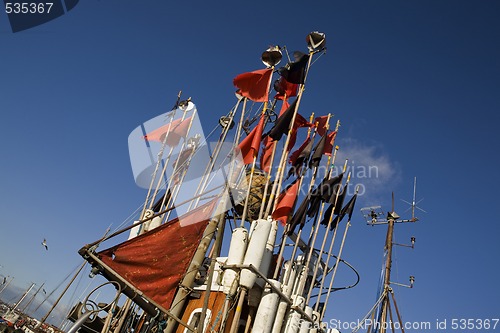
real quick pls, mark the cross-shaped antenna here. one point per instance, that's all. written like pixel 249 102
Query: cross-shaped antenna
pixel 414 203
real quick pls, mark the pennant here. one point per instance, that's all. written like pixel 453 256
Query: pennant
pixel 321 124
pixel 337 205
pixel 284 106
pixel 326 190
pixel 249 147
pixel 318 153
pixel 295 72
pixel 265 156
pixel 299 218
pixel 286 202
pixel 346 210
pixel 298 157
pixel 254 85
pixel 285 89
pixel 330 140
pixel 170 133
pixel 298 123
pixel 282 124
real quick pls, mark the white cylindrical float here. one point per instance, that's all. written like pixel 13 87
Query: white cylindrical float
pixel 237 248
pixel 293 321
pixel 286 289
pixel 255 252
pixel 305 325
pixel 266 312
pixel 268 254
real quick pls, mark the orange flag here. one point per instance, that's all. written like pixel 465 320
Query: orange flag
pixel 286 203
pixel 254 85
pixel 174 131
pixel 322 122
pixel 330 141
pixel 250 145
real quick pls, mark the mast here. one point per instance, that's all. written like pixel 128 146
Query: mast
pixel 383 307
pixel 23 297
pixel 388 263
pixel 32 298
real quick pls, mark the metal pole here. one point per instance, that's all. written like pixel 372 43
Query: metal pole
pixel 62 294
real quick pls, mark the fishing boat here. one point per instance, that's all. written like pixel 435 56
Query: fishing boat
pixel 242 234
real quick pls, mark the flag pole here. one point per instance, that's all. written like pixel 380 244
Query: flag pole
pixel 203 182
pixel 62 294
pixel 279 174
pixel 160 155
pixel 268 179
pixel 348 224
pixel 252 171
pixel 330 250
pixel 176 189
pixel 313 229
pixel 160 179
pixel 285 237
pixel 268 176
pixel 311 246
pixel 313 180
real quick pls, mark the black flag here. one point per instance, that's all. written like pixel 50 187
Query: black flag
pixel 299 217
pixel 347 210
pixel 338 207
pixel 295 72
pixel 318 152
pixel 282 125
pixel 323 192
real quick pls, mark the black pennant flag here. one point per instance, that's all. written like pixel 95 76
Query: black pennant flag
pixel 295 72
pixel 282 125
pixel 323 192
pixel 318 152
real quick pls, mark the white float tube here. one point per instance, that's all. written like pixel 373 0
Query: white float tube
pixel 293 321
pixel 264 318
pixel 255 252
pixel 286 289
pixel 237 248
pixel 305 325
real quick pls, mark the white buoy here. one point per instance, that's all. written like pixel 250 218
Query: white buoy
pixel 286 289
pixel 293 321
pixel 237 248
pixel 266 312
pixel 305 325
pixel 268 254
pixel 255 252
pixel 155 222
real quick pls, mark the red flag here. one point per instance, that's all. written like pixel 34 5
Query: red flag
pixel 254 85
pixel 330 140
pixel 298 123
pixel 321 124
pixel 141 261
pixel 174 131
pixel 250 145
pixel 286 203
pixel 285 89
pixel 284 106
pixel 265 157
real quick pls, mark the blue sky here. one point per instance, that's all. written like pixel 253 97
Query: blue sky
pixel 415 84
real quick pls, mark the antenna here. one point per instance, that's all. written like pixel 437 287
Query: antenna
pixel 414 203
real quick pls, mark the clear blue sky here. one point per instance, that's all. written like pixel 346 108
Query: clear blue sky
pixel 415 84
